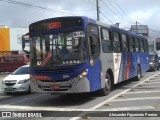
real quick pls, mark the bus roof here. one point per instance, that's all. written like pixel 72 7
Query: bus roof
pixel 89 20
pixel 127 32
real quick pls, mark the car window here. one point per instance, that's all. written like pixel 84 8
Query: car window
pixel 21 70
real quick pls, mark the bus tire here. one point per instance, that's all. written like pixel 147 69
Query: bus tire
pixel 138 77
pixel 106 90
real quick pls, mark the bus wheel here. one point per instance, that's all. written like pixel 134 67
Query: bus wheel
pixel 138 77
pixel 106 90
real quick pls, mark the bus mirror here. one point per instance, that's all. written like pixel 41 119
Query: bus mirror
pixel 25 42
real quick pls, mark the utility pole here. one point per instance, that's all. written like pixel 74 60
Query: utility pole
pixel 97 3
pixel 136 27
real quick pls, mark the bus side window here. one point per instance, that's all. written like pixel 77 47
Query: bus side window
pixel 131 44
pixel 106 41
pixel 141 45
pixel 145 45
pixel 124 43
pixel 116 42
pixel 94 45
pixel 136 44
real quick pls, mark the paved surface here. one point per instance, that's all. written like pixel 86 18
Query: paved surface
pixel 128 96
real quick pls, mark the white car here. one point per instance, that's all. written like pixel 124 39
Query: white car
pixel 18 81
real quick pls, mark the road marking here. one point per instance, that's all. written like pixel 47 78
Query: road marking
pixel 132 99
pixel 128 108
pixel 146 86
pixel 23 100
pixel 142 92
pixel 154 79
pixel 75 109
pixel 41 108
pixel 115 96
pixel 152 83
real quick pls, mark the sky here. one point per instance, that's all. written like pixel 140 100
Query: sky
pixel 21 13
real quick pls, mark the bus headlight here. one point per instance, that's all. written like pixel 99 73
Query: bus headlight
pixel 83 74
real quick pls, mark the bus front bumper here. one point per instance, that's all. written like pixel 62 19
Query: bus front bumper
pixel 70 86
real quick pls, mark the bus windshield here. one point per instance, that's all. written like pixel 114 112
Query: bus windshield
pixel 59 49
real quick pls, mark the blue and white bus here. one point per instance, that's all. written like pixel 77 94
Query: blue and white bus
pixel 79 54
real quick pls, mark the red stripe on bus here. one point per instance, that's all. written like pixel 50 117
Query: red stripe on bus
pixel 128 67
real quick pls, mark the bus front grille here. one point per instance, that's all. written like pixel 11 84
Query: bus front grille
pixel 61 88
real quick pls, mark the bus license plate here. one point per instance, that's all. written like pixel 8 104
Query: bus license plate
pixel 55 87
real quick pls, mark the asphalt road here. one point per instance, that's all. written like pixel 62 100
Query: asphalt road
pixel 129 96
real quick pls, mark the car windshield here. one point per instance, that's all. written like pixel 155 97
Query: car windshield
pixel 21 70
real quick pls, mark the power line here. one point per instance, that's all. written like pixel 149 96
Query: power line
pixel 106 17
pixel 133 22
pixel 123 11
pixel 33 6
pixel 118 11
pixel 42 8
pixel 89 2
pixel 114 12
pixel 130 18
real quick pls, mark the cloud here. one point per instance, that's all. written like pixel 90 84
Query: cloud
pixel 145 12
pixel 143 15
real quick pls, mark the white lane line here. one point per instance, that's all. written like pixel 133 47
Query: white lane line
pixel 128 108
pixel 132 99
pixel 74 109
pixel 143 86
pixel 139 92
pixel 115 96
pixel 41 108
pixel 152 83
pixel 154 79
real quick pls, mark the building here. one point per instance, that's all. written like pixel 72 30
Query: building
pixel 140 29
pixel 11 39
pixel 151 45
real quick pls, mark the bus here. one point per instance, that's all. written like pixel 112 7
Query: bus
pixel 79 54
